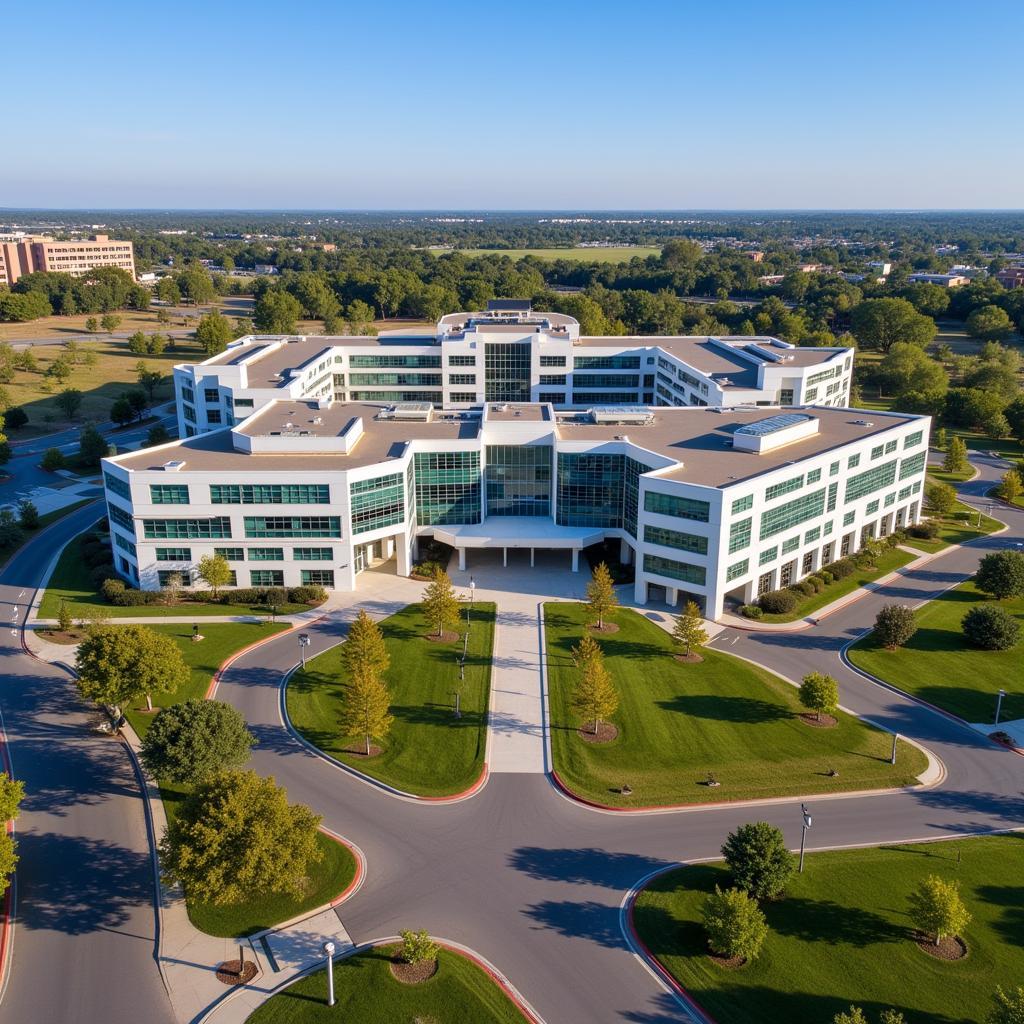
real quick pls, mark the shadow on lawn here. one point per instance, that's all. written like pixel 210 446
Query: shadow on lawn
pixel 726 709
pixel 822 920
pixel 1010 900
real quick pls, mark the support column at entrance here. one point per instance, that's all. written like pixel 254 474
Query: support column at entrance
pixel 389 547
pixel 504 557
pixel 575 559
pixel 531 557
pixel 462 559
pixel 404 566
pixel 625 552
pixel 671 596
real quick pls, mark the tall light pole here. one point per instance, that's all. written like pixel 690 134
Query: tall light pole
pixel 999 704
pixel 304 642
pixel 328 948
pixel 472 591
pixel 807 822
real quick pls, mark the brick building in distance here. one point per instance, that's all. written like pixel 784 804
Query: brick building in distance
pixel 38 253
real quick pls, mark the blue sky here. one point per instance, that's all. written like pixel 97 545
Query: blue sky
pixel 555 105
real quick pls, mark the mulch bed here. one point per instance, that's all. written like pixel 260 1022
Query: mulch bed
pixel 608 627
pixel 59 636
pixel 727 963
pixel 360 751
pixel 227 972
pixel 412 974
pixel 689 659
pixel 606 732
pixel 826 721
pixel 445 638
pixel 952 947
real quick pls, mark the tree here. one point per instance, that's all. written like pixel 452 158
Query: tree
pixel 92 446
pixel 21 307
pixel 601 597
pixel 956 458
pixel 69 401
pixel 121 412
pixel 359 316
pixel 215 572
pixel 367 705
pixel 137 402
pixel 1009 488
pixel 937 908
pixel 163 316
pixel 15 418
pixel 214 333
pixel 894 626
pixel 110 323
pixel 939 497
pixel 156 344
pixel 758 859
pixel 92 325
pixel 917 381
pixel 440 606
pixel 59 369
pixel 10 531
pixel 689 631
pixel 28 515
pixel 276 312
pixel 365 647
pixel 1009 1008
pixel 191 741
pixel 991 627
pixel 594 697
pixel 119 664
pixel 157 435
pixel 74 352
pixel 735 925
pixel 137 344
pixel 149 379
pixel 64 620
pixel 989 323
pixel 855 1015
pixel 819 693
pixel 1001 574
pixel 418 947
pixel 881 323
pixel 12 792
pixel 167 290
pixel 236 837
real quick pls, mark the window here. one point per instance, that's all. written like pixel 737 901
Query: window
pixel 377 502
pixel 848 518
pixel 792 513
pixel 739 535
pixel 312 554
pixel 590 489
pixel 833 469
pixel 266 577
pixel 121 518
pixel 768 555
pixel 790 545
pixel 507 372
pixel 554 397
pixel 213 415
pixel 292 526
pixel 853 461
pixel 552 360
pixel 447 488
pixel 622 362
pixel 174 554
pixel 463 396
pixel 557 379
pixel 188 394
pixel 269 494
pixel 190 413
pixel 421 362
pixel 814 476
pixel 124 543
pixel 871 480
pixel 808 563
pixel 117 486
pixel 231 554
pixel 603 397
pixel 242 403
pixel 734 572
pixel 674 505
pixel 675 570
pixel 462 360
pixel 211 395
pixel 786 396
pixel 266 554
pixel 833 490
pixel 890 447
pixel 742 504
pixel 890 499
pixel 915 464
pixel 173 577
pixel 317 577
pixel 674 539
pixel 168 494
pixel 872 507
pixel 379 380
pixel 876 452
pixel 518 480
pixel 828 530
pixel 913 439
pixel 462 378
pixel 812 535
pixel 186 529
pixel 605 380
pixel 786 487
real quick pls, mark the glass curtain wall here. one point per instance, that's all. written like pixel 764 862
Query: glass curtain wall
pixel 518 480
pixel 507 372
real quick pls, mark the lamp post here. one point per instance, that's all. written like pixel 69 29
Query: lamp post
pixel 999 704
pixel 328 948
pixel 304 642
pixel 895 740
pixel 807 822
pixel 472 591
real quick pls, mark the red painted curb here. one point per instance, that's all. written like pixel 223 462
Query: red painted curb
pixel 498 980
pixel 357 856
pixel 471 791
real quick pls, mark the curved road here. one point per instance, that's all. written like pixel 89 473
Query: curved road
pixel 534 882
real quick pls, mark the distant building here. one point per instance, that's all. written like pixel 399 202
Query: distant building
pixel 1011 277
pixel 771 279
pixel 942 280
pixel 882 267
pixel 755 254
pixel 265 269
pixel 37 253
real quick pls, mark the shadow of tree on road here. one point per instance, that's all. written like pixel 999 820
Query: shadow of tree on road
pixel 587 920
pixel 585 866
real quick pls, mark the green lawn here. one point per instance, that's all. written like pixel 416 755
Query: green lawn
pixel 329 877
pixel 960 525
pixel 887 562
pixel 365 991
pixel 679 721
pixel 6 550
pixel 72 583
pixel 581 254
pixel 428 751
pixel 940 666
pixel 842 935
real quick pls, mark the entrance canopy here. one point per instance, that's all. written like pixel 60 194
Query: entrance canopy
pixel 519 532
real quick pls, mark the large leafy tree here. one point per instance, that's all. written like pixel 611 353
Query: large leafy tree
pixel 214 332
pixel 1009 1008
pixel 1001 574
pixel 215 572
pixel 881 323
pixel 193 740
pixel 120 664
pixel 601 597
pixel 276 312
pixel 989 323
pixel 758 859
pixel 237 837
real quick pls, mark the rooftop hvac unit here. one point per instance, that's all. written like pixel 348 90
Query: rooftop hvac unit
pixel 174 466
pixel 863 423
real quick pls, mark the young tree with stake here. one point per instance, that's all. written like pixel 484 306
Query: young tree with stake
pixel 440 605
pixel 365 647
pixel 689 631
pixel 366 708
pixel 594 697
pixel 601 597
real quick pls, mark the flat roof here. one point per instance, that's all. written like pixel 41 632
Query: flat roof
pixel 536 412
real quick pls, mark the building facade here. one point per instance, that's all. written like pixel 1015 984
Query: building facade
pixel 712 504
pixel 508 353
pixel 36 253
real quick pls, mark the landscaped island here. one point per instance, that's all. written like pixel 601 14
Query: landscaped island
pixel 680 723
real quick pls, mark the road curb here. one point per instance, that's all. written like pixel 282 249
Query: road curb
pixel 7 928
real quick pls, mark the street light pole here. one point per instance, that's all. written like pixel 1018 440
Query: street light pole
pixel 472 592
pixel 328 948
pixel 895 740
pixel 803 832
pixel 999 704
pixel 304 642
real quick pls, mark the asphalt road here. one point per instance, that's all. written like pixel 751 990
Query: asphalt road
pixel 85 923
pixel 534 882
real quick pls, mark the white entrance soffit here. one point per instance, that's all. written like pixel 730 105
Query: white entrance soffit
pixel 518 532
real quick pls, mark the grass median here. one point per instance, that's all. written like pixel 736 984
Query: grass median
pixel 678 722
pixel 366 991
pixel 427 752
pixel 939 665
pixel 843 934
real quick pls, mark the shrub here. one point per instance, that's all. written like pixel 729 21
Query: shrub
pixel 418 947
pixel 112 589
pixel 894 626
pixel 1001 574
pixel 275 596
pixel 827 578
pixel 778 602
pixel 927 529
pixel 991 627
pixel 53 459
pixel 751 611
pixel 817 582
pixel 734 923
pixel 310 594
pixel 819 693
pixel 427 569
pixel 115 591
pixel 842 568
pixel 15 418
pixel 758 859
pixel 803 587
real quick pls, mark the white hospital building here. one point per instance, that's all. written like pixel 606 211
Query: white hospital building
pixel 309 460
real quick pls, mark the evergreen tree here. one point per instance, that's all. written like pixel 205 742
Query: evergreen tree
pixel 440 605
pixel 365 647
pixel 689 631
pixel 594 696
pixel 601 597
pixel 64 621
pixel 366 707
pixel 758 859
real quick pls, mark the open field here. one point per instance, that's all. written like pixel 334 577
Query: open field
pixel 366 991
pixel 61 328
pixel 842 935
pixel 428 751
pixel 938 665
pixel 581 254
pixel 678 722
